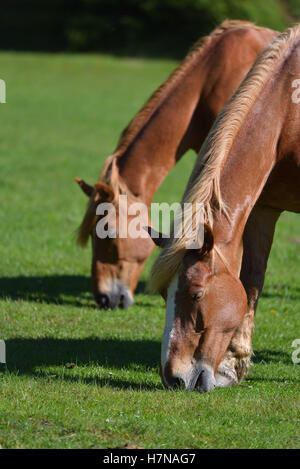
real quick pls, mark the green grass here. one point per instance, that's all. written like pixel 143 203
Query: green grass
pixel 80 377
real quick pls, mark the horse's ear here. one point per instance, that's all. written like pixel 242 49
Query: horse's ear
pixel 207 240
pixel 106 193
pixel 86 188
pixel 204 241
pixel 157 237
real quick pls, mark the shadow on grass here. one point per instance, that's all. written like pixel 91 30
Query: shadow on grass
pixel 25 356
pixel 31 356
pixel 271 356
pixel 287 291
pixel 47 289
pixel 74 290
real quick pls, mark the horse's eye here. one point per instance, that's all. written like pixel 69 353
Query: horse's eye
pixel 197 296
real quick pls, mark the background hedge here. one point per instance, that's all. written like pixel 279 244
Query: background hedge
pixel 129 27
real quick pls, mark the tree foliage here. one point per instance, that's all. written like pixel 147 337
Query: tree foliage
pixel 135 27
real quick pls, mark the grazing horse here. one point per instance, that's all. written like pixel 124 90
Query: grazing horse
pixel 176 118
pixel 247 173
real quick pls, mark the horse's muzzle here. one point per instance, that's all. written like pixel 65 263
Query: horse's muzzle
pixel 206 381
pixel 199 378
pixel 103 301
pixel 118 297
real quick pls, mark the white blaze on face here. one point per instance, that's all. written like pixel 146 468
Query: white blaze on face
pixel 169 324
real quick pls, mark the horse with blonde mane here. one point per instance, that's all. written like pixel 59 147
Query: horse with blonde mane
pixel 176 118
pixel 247 173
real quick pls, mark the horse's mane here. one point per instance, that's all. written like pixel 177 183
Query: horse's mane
pixel 192 58
pixel 204 184
pixel 110 174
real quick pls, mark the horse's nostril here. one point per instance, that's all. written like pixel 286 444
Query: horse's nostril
pixel 206 381
pixel 103 300
pixel 121 304
pixel 173 382
pixel 177 383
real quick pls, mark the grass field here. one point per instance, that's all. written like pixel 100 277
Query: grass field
pixel 80 377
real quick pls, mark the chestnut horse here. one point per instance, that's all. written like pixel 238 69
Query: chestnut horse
pixel 247 173
pixel 176 118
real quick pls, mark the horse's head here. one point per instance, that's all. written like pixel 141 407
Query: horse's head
pixel 205 303
pixel 117 261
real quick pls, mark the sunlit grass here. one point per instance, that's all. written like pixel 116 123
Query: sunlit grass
pixel 80 377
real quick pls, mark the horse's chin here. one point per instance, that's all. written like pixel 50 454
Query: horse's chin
pixel 126 298
pixel 225 380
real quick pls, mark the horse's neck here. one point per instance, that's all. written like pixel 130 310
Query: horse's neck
pixel 167 135
pixel 251 159
pixel 184 116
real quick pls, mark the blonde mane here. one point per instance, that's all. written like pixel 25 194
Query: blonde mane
pixel 204 184
pixel 110 174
